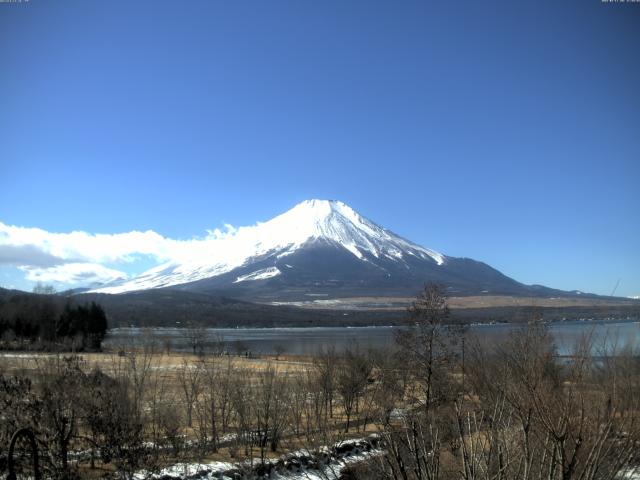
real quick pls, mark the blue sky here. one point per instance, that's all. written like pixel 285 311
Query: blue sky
pixel 508 132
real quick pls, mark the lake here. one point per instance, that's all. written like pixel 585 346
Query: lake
pixel 308 341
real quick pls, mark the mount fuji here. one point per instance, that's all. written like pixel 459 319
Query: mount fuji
pixel 323 249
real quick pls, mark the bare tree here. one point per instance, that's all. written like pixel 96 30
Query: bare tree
pixel 429 342
pixel 242 402
pixel 299 396
pixel 326 364
pixel 415 437
pixel 115 429
pixel 196 337
pixel 353 373
pixel 272 407
pixel 212 407
pixel 539 418
pixel 60 384
pixel 189 378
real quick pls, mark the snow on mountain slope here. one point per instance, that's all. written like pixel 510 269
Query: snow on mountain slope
pixel 259 274
pixel 311 221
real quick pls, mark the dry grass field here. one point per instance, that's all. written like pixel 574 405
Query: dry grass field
pixel 476 301
pixel 168 362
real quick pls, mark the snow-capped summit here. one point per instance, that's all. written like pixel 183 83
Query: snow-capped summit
pixel 317 248
pixel 330 222
pixel 334 221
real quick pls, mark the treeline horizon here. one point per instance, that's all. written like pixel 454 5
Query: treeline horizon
pixel 167 307
pixel 45 321
pixel 176 308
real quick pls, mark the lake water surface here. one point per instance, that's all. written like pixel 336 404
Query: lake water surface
pixel 308 341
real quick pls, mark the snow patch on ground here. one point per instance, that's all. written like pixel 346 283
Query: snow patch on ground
pixel 324 464
pixel 630 474
pixel 189 470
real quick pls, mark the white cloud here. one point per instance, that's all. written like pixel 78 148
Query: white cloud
pixel 84 247
pixel 73 274
pixel 82 258
pixel 217 234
